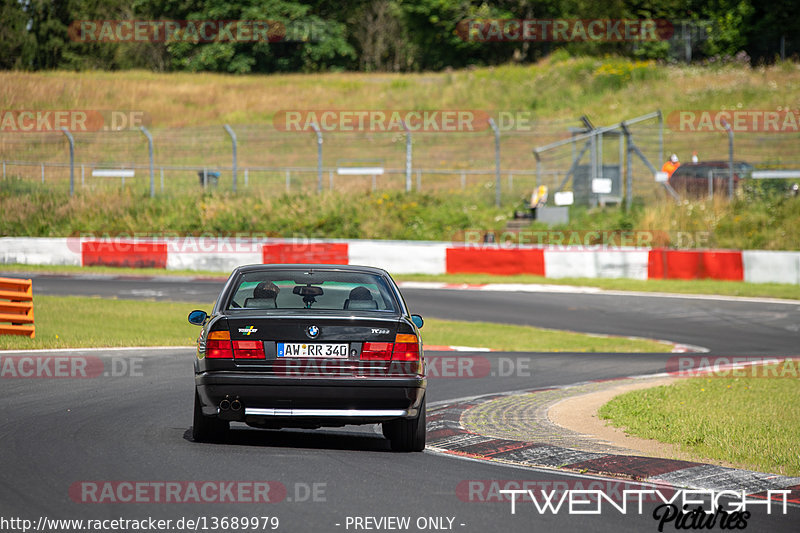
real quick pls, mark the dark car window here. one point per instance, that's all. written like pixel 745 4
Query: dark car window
pixel 315 290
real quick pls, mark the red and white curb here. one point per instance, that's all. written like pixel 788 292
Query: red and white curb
pixel 447 436
pixel 409 257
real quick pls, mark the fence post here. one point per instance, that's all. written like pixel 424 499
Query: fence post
pixel 233 139
pixel 319 155
pixel 593 169
pixel 730 156
pixel 42 172
pixel 496 162
pixel 330 178
pixel 71 161
pixel 246 179
pixel 83 177
pixel 660 137
pixel 152 170
pixel 628 170
pixel 409 159
pixel 711 184
pixel 4 170
pixel 419 180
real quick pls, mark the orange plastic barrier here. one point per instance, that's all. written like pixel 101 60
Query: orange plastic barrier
pixel 16 314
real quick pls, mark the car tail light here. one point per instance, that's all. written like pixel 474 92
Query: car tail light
pixel 376 351
pixel 218 345
pixel 406 348
pixel 248 350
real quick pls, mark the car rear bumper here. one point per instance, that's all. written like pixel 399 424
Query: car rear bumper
pixel 265 398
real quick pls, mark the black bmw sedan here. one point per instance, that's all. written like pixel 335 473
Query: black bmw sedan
pixel 310 346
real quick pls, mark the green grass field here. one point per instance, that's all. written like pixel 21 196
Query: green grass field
pixel 78 322
pixel 747 421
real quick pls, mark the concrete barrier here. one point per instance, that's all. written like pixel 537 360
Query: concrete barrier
pixel 210 253
pixel 495 260
pixel 695 264
pixel 409 257
pixel 399 257
pixel 580 263
pixel 40 251
pixel 771 267
pixel 120 253
pixel 301 252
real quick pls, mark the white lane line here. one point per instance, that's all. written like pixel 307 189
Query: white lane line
pixel 109 349
pixel 577 289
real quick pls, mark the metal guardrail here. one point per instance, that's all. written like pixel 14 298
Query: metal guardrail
pixel 775 174
pixel 16 314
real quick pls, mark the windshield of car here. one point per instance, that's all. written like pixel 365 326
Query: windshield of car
pixel 312 289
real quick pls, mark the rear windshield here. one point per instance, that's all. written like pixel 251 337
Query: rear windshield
pixel 314 290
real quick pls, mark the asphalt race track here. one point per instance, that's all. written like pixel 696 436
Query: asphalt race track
pixel 131 422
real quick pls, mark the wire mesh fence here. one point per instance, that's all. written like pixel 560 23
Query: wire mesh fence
pixel 271 160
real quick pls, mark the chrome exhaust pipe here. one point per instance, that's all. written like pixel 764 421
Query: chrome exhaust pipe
pixel 236 405
pixel 224 405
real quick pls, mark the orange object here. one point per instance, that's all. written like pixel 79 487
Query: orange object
pixel 670 167
pixel 16 315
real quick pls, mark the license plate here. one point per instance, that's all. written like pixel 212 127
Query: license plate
pixel 298 349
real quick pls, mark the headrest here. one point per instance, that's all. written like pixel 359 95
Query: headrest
pixel 266 289
pixel 360 293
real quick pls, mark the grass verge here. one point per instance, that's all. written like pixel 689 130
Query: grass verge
pixel 750 422
pixel 507 337
pixel 79 322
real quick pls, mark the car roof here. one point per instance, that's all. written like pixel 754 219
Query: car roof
pixel 314 266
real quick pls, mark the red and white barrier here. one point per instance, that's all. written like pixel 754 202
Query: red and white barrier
pixel 409 257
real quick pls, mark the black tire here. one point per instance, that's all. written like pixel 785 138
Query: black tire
pixel 408 435
pixel 206 428
pixel 388 429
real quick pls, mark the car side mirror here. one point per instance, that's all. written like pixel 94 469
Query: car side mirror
pixel 417 320
pixel 197 317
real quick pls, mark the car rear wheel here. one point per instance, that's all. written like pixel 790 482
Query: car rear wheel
pixel 407 435
pixel 204 428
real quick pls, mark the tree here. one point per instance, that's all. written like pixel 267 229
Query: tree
pixel 17 46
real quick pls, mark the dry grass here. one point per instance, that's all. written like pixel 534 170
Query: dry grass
pixel 552 89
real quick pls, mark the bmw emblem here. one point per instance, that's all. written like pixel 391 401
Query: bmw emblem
pixel 312 331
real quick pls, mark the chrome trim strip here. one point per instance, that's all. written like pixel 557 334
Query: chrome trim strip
pixel 270 411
